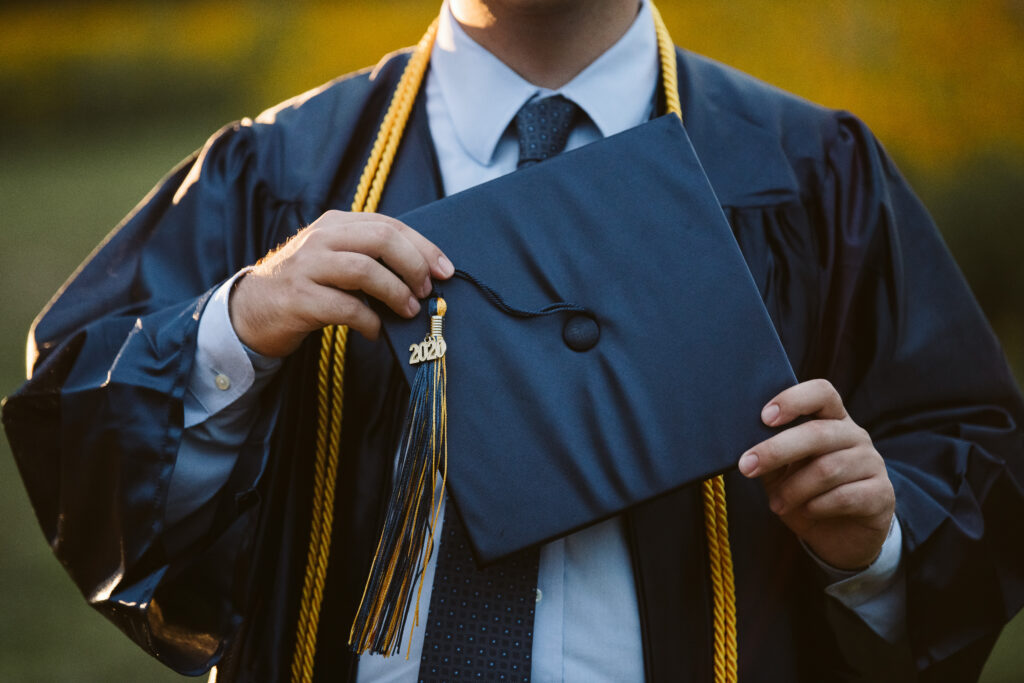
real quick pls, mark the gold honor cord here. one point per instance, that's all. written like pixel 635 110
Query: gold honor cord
pixel 331 371
pixel 716 514
pixel 330 384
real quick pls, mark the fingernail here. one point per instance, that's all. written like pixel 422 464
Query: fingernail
pixel 770 412
pixel 775 503
pixel 414 306
pixel 748 463
pixel 426 288
pixel 447 269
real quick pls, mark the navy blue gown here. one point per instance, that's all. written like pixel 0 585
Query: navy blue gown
pixel 852 272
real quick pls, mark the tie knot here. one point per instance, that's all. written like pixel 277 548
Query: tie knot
pixel 543 127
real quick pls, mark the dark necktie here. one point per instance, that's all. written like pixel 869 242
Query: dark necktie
pixel 480 623
pixel 543 128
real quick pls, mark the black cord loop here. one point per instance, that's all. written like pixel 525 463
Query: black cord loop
pixel 500 303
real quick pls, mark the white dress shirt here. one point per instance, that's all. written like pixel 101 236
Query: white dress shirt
pixel 587 620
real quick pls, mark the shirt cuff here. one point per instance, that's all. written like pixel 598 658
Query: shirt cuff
pixel 225 368
pixel 876 594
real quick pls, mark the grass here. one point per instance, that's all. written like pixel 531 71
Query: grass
pixel 59 194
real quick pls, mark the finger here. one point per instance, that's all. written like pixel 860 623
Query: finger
pixel 349 270
pixel 440 266
pixel 815 397
pixel 329 306
pixel 369 234
pixel 806 440
pixel 864 498
pixel 819 476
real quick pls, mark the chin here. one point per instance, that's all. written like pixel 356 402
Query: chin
pixel 534 6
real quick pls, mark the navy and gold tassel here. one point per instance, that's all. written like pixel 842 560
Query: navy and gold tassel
pixel 414 502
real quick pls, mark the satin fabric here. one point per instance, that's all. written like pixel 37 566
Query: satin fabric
pixel 852 272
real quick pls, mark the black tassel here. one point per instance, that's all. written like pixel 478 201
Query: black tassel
pixel 413 508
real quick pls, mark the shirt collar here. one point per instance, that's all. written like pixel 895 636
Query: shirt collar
pixel 482 94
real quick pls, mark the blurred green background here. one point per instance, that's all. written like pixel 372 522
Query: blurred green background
pixel 98 100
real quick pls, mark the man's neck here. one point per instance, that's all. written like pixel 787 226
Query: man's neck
pixel 547 42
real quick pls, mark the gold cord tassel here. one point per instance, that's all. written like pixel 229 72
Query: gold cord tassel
pixel 723 592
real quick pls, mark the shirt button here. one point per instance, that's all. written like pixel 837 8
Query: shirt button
pixel 540 596
pixel 222 381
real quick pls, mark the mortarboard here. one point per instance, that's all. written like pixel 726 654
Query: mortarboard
pixel 647 371
pixel 544 439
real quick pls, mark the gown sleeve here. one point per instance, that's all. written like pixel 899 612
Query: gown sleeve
pixel 908 348
pixel 96 428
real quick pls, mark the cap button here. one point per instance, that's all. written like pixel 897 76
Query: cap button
pixel 581 332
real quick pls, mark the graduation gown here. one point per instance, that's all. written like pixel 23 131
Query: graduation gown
pixel 853 274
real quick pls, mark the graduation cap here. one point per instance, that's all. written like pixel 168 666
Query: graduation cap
pixel 605 344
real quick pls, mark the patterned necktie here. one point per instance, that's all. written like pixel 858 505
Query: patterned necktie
pixel 543 127
pixel 480 623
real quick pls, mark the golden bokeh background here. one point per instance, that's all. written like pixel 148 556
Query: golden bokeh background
pixel 99 99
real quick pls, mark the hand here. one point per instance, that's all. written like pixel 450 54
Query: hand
pixel 824 478
pixel 305 284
